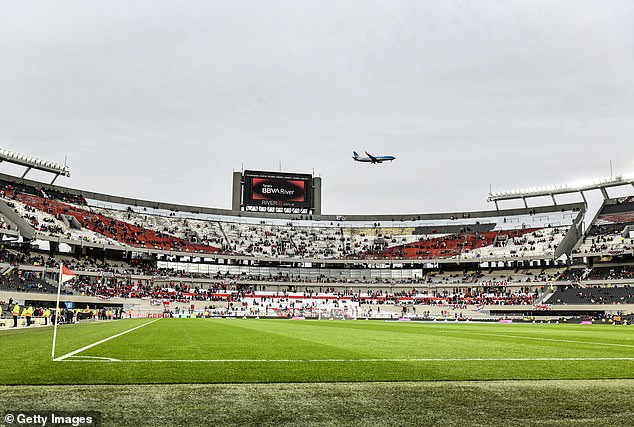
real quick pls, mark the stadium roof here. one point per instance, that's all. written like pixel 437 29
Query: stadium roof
pixel 34 163
pixel 553 190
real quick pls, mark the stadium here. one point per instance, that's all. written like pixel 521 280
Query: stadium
pixel 316 213
pixel 317 318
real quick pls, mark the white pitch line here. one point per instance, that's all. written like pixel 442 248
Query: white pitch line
pixel 470 359
pixel 73 353
pixel 98 358
pixel 608 344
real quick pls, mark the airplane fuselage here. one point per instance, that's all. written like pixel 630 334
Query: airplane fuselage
pixel 371 159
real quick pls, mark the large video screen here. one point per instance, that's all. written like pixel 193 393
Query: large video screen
pixel 277 189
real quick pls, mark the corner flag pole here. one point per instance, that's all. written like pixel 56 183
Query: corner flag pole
pixel 59 291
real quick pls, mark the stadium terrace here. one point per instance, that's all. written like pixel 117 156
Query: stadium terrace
pixel 156 258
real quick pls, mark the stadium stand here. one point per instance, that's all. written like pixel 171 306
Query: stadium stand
pixel 55 218
pixel 24 281
pixel 55 214
pixel 612 231
pixel 594 295
pixel 465 266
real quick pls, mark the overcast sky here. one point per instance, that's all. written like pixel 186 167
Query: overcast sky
pixel 163 100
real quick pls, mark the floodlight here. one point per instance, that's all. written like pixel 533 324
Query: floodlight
pixel 34 163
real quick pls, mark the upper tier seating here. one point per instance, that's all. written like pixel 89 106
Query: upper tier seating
pixel 45 222
pixel 110 230
pixel 612 230
pixel 456 238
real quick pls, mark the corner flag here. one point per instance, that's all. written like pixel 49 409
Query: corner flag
pixel 65 275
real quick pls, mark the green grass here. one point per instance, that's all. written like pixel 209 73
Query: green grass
pixel 282 372
pixel 264 351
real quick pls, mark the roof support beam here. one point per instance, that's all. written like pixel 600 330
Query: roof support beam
pixel 28 169
pixel 605 193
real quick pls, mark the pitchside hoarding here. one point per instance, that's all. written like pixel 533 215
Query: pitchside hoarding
pixel 277 189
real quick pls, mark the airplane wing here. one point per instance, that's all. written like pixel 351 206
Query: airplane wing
pixel 372 158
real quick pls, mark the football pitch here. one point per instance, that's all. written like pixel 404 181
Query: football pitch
pixel 318 361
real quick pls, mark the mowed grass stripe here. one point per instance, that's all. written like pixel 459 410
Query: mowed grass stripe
pixel 203 339
pixel 228 339
pixel 341 350
pixel 388 339
pixel 357 342
pixel 535 346
pixel 428 339
pixel 589 333
pixel 397 344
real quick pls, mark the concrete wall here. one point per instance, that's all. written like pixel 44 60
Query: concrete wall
pixel 23 226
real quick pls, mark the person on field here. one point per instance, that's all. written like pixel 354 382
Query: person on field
pixel 23 314
pixel 29 313
pixel 15 313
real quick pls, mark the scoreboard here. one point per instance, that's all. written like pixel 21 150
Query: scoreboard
pixel 277 190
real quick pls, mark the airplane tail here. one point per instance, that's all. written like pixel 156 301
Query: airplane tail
pixel 355 155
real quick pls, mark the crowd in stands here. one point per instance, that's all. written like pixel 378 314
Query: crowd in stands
pixel 25 281
pixel 598 273
pixel 607 239
pixel 572 275
pixel 107 288
pixel 118 231
pixel 12 189
pixel 594 295
pixel 51 215
pixel 147 268
pixel 14 257
pixel 56 213
pixel 612 230
pixel 610 273
pixel 471 289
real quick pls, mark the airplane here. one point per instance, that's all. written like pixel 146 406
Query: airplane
pixel 371 158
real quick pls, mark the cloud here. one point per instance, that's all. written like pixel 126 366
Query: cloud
pixel 165 99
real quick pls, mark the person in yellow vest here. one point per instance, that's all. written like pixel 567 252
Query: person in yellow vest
pixel 29 313
pixel 23 314
pixel 15 313
pixel 47 314
pixel 94 313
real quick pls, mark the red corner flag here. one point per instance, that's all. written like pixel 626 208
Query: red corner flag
pixel 66 274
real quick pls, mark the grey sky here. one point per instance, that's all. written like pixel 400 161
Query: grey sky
pixel 164 99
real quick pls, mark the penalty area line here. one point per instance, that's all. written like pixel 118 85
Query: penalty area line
pixel 73 353
pixel 471 359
